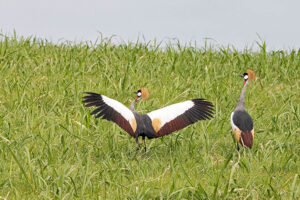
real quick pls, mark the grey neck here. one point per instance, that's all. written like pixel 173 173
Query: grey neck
pixel 241 103
pixel 131 107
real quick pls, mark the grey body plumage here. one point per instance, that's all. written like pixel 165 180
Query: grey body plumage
pixel 144 126
pixel 243 120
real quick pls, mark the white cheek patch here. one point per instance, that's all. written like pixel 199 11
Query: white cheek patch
pixel 246 77
pixel 120 108
pixel 169 113
pixel 139 94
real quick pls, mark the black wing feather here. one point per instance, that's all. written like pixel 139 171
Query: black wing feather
pixel 201 110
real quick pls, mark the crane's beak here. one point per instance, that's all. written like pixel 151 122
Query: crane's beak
pixel 241 75
pixel 135 92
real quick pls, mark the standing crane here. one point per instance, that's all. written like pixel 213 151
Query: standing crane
pixel 155 124
pixel 241 121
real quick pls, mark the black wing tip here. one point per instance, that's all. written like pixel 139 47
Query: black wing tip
pixel 91 94
pixel 90 98
pixel 202 101
pixel 205 107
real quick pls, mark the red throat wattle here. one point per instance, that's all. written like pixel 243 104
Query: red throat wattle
pixel 245 82
pixel 136 98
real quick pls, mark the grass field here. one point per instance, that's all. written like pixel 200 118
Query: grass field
pixel 51 148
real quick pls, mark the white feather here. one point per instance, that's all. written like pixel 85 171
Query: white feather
pixel 120 108
pixel 169 113
pixel 231 120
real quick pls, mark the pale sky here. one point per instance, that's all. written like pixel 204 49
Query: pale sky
pixel 227 22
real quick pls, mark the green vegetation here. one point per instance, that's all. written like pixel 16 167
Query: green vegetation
pixel 51 148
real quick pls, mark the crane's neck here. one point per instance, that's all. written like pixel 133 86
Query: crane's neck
pixel 241 103
pixel 131 107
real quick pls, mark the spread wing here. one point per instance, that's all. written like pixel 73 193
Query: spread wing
pixel 111 110
pixel 177 116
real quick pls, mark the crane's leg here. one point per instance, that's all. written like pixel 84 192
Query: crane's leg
pixel 238 147
pixel 144 144
pixel 137 141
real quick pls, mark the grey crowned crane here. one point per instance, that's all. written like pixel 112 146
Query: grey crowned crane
pixel 155 124
pixel 241 121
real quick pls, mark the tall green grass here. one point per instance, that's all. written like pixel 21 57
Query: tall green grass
pixel 51 148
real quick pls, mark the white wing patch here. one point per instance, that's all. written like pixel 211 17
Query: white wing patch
pixel 231 120
pixel 169 113
pixel 120 108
